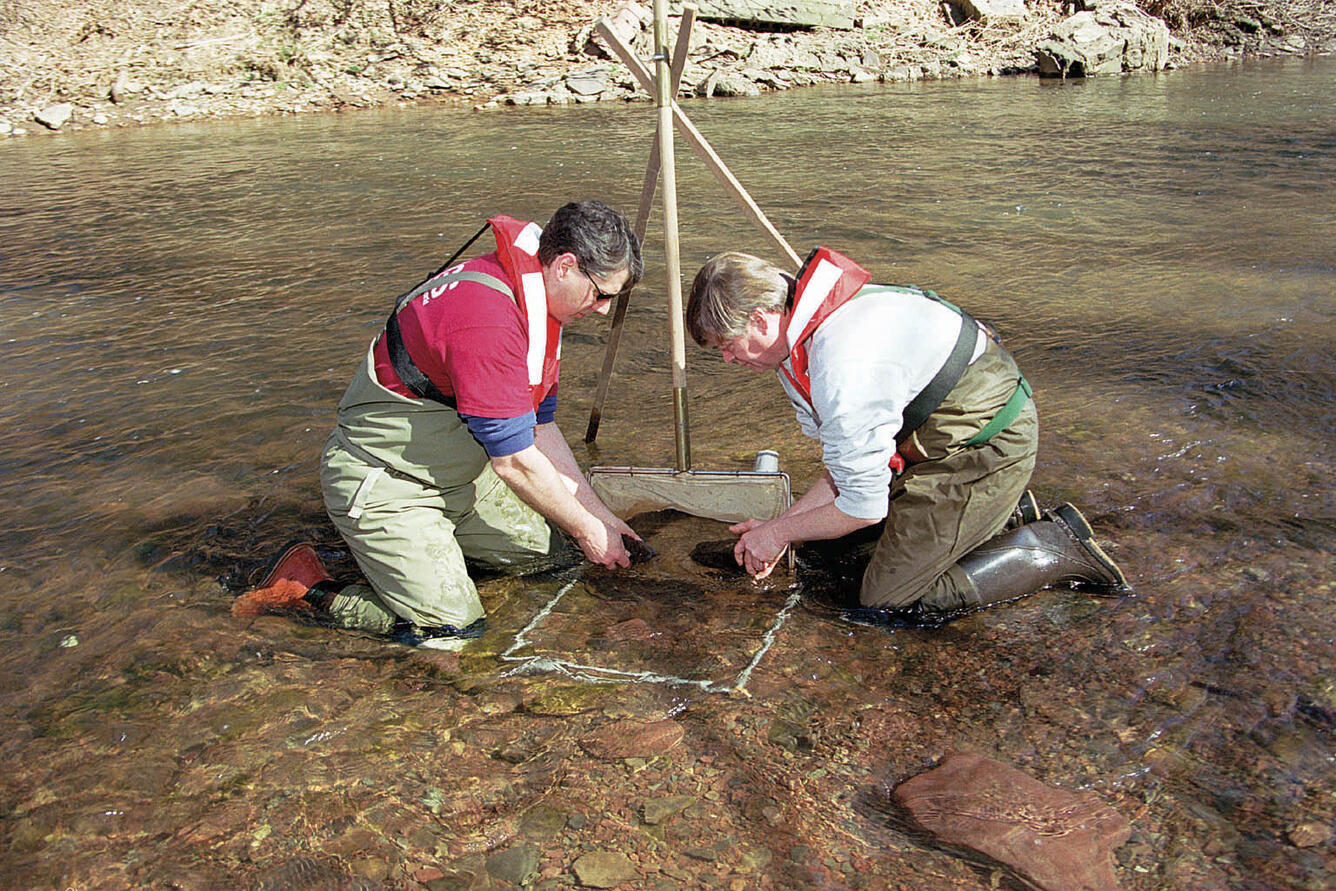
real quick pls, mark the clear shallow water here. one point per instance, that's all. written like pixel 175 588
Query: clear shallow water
pixel 180 310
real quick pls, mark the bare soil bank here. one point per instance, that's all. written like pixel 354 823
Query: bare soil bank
pixel 110 63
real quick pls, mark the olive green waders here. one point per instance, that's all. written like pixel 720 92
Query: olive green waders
pixel 945 506
pixel 961 531
pixel 413 495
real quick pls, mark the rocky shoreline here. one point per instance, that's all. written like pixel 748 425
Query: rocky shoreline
pixel 108 65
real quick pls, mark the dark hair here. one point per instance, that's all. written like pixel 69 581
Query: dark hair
pixel 600 238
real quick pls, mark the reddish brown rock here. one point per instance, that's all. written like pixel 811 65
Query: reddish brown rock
pixel 1307 835
pixel 632 739
pixel 631 629
pixel 427 874
pixel 1059 840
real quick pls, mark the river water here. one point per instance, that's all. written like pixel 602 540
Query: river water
pixel 181 307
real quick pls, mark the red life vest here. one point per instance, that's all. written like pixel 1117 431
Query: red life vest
pixel 827 281
pixel 517 251
pixel 517 254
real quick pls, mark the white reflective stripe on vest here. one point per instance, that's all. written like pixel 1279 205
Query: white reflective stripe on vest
pixel 534 294
pixel 818 289
pixel 535 310
pixel 527 240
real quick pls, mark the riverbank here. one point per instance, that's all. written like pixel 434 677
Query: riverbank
pixel 108 63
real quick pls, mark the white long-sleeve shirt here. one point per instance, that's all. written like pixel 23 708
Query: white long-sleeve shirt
pixel 867 361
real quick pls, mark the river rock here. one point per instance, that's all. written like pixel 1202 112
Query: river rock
pixel 804 13
pixel 185 91
pixel 1113 38
pixel 123 88
pixel 603 869
pixel 1308 835
pixel 1059 840
pixel 992 11
pixel 589 83
pixel 632 739
pixel 534 97
pixel 631 629
pixel 630 22
pixel 55 116
pixel 727 83
pixel 656 810
pixel 517 865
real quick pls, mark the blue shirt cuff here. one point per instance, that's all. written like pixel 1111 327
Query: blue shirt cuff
pixel 547 409
pixel 502 436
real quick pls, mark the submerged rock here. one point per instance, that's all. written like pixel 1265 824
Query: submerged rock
pixel 717 555
pixel 310 873
pixel 603 869
pixel 632 739
pixel 1059 840
pixel 517 865
pixel 1307 835
pixel 657 810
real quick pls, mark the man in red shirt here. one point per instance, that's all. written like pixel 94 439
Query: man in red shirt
pixel 446 447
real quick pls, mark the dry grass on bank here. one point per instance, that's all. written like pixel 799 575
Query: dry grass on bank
pixel 1207 26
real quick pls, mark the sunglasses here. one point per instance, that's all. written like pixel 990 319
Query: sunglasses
pixel 598 292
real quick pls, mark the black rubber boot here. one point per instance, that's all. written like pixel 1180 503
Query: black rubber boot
pixel 441 637
pixel 1058 548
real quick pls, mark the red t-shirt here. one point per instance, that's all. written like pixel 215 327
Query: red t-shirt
pixel 471 342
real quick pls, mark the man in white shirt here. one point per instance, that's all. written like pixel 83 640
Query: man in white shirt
pixel 927 429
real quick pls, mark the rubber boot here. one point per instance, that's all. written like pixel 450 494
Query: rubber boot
pixel 296 580
pixel 442 637
pixel 1058 548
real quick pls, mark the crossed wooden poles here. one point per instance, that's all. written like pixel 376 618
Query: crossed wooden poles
pixel 664 88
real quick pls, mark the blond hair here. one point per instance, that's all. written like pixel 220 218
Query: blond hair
pixel 727 290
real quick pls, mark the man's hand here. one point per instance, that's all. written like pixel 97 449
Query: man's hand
pixel 599 532
pixel 602 544
pixel 814 517
pixel 554 494
pixel 614 522
pixel 759 548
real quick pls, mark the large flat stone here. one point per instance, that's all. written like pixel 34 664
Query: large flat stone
pixel 632 739
pixel 801 13
pixel 1058 840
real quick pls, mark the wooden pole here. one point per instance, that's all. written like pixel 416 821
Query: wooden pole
pixel 700 145
pixel 672 256
pixel 642 222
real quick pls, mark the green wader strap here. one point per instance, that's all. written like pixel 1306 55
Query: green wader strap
pixel 1002 420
